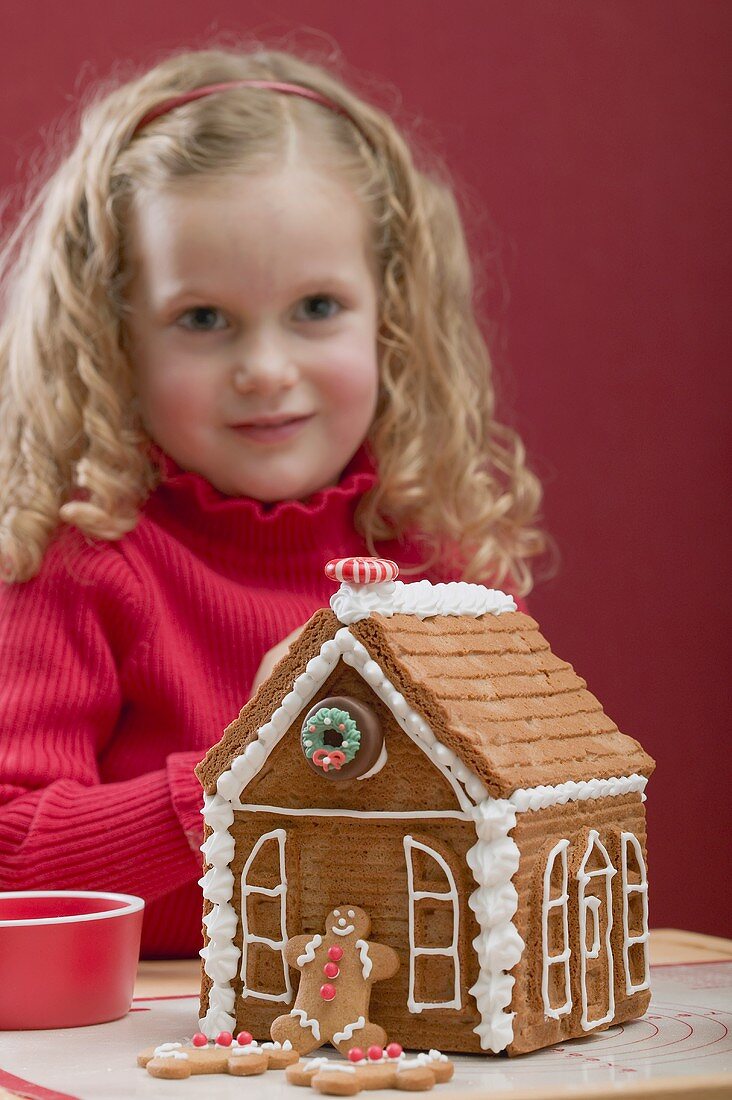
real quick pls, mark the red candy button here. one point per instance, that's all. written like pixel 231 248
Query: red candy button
pixel 199 1040
pixel 362 570
pixel 327 992
pixel 394 1050
pixel 375 1054
pixel 355 1054
pixel 224 1039
pixel 331 970
pixel 335 953
pixel 243 1038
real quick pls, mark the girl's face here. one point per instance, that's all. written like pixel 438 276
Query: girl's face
pixel 252 328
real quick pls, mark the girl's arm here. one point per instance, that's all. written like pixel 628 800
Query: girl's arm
pixel 64 821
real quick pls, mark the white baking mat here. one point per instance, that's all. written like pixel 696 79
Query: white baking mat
pixel 688 1031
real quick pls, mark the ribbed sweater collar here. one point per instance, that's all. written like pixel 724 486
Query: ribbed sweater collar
pixel 269 543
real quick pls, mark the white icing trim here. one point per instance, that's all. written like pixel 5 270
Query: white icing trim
pixel 374 815
pixel 630 840
pixel 220 956
pixel 594 904
pixel 280 891
pixel 539 798
pixel 366 963
pixel 344 646
pixel 349 1029
pixel 305 1021
pixel 377 766
pixel 451 952
pixel 310 948
pixel 422 599
pixel 494 861
pixel 562 959
pixel 314 1064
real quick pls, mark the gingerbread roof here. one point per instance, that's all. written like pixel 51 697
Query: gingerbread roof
pixel 488 686
pixel 493 692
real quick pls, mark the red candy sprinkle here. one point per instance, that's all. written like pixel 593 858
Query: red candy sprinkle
pixel 355 1054
pixel 327 992
pixel 331 970
pixel 375 1054
pixel 335 954
pixel 394 1050
pixel 199 1040
pixel 224 1039
pixel 243 1038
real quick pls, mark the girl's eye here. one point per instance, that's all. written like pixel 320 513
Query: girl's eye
pixel 201 318
pixel 321 304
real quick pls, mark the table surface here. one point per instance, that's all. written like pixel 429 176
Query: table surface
pixel 681 1048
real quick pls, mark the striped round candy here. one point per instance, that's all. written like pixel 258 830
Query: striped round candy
pixel 362 570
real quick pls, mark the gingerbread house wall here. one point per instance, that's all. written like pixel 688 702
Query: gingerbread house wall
pixel 537 834
pixel 336 860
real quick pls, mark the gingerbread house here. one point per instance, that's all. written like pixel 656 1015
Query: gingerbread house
pixel 486 813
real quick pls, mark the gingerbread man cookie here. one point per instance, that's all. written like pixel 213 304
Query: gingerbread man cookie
pixel 338 970
pixel 240 1057
pixel 379 1069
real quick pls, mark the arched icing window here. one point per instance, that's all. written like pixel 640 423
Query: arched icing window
pixel 596 958
pixel 434 926
pixel 555 982
pixel 635 914
pixel 264 918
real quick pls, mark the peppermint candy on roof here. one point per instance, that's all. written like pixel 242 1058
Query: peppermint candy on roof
pixel 362 570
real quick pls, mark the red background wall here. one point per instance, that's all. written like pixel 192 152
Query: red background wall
pixel 590 135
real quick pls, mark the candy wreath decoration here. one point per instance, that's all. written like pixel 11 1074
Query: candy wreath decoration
pixel 329 720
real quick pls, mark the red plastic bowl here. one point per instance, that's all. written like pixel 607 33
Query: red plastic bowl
pixel 67 957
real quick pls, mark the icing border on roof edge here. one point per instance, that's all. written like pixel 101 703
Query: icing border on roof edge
pixel 345 646
pixel 353 602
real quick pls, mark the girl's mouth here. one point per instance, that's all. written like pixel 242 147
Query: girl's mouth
pixel 274 431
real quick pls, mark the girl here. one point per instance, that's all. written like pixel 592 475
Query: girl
pixel 238 341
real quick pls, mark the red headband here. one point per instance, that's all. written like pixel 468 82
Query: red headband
pixel 209 89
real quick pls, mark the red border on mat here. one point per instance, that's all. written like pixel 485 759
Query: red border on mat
pixel 31 1091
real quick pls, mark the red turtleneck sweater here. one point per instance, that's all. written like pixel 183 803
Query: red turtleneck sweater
pixel 120 665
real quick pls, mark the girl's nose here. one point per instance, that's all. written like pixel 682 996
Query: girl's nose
pixel 266 372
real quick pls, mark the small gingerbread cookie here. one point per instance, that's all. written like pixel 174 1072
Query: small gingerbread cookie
pixel 240 1057
pixel 338 970
pixel 379 1069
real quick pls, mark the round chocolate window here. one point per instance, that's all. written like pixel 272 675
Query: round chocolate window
pixel 341 738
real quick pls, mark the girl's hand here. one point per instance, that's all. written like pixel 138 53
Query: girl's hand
pixel 271 658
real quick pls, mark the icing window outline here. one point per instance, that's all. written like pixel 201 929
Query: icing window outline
pixel 279 891
pixel 562 958
pixel 451 952
pixel 594 906
pixel 641 887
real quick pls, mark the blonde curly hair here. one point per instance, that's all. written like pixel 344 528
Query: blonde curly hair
pixel 73 450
